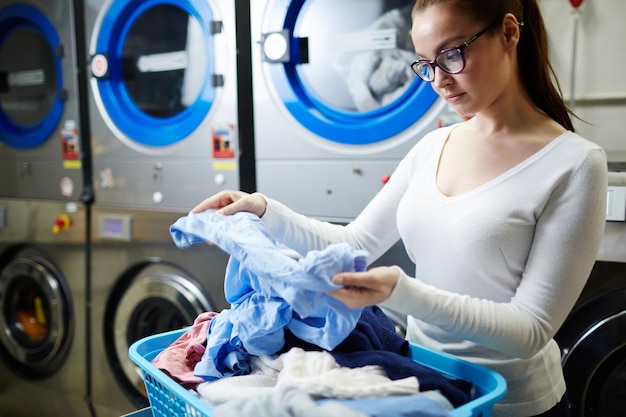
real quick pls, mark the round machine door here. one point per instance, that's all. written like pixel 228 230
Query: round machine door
pixel 593 344
pixel 151 297
pixel 139 44
pixel 35 314
pixel 342 69
pixel 31 79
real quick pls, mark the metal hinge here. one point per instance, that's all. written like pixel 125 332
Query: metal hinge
pixel 217 80
pixel 215 26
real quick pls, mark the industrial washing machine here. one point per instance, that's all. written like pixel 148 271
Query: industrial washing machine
pixel 335 103
pixel 43 191
pixel 163 101
pixel 143 285
pixel 43 354
pixel 593 338
pixel 163 118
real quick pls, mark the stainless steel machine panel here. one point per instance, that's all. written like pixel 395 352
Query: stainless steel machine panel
pixel 335 189
pixel 43 354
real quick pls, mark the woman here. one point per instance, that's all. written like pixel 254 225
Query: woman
pixel 502 214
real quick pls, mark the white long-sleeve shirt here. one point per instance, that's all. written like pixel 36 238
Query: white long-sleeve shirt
pixel 498 268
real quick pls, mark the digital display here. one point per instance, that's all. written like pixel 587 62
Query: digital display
pixel 113 227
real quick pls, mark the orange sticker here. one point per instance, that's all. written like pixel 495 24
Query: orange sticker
pixel 69 140
pixel 222 141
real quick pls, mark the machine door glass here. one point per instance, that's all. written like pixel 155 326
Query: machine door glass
pixel 34 316
pixel 153 64
pixel 342 69
pixel 31 102
pixel 151 297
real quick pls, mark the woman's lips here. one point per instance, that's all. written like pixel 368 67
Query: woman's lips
pixel 452 98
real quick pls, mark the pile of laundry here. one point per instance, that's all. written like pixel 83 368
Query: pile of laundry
pixel 285 347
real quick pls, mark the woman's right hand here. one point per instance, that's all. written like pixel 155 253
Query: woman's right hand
pixel 230 202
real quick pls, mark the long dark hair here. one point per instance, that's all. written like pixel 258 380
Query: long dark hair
pixel 536 72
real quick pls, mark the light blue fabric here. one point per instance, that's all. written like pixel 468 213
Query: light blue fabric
pixel 268 292
pixel 419 405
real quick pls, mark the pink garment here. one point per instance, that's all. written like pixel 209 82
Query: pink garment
pixel 179 359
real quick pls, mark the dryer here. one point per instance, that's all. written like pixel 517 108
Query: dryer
pixel 40 144
pixel 43 354
pixel 163 101
pixel 336 105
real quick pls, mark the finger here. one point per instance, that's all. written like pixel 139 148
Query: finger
pixel 204 205
pixel 218 201
pixel 352 297
pixel 354 279
pixel 232 208
pixel 208 203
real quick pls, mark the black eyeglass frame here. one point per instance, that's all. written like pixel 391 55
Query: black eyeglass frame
pixel 432 64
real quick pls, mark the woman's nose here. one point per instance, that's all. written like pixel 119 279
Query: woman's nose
pixel 442 78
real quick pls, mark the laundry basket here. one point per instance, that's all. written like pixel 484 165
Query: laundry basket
pixel 169 399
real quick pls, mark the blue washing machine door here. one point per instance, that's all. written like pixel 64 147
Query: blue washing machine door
pixel 31 79
pixel 154 68
pixel 342 69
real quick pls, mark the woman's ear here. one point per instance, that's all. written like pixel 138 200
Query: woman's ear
pixel 511 30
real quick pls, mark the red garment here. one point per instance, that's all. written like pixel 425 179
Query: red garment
pixel 179 359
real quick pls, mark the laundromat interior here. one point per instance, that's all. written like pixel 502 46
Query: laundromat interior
pixel 117 117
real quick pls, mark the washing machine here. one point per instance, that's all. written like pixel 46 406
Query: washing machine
pixel 143 285
pixel 593 338
pixel 163 101
pixel 336 105
pixel 43 354
pixel 40 142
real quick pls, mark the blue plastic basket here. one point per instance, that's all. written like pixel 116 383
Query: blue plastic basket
pixel 169 399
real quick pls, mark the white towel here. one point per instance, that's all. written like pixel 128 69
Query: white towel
pixel 318 374
pixel 261 380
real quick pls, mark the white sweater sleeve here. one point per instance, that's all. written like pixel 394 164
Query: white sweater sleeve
pixel 566 240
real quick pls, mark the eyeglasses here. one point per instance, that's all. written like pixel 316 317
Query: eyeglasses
pixel 450 60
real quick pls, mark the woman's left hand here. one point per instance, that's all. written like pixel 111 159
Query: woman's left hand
pixel 362 289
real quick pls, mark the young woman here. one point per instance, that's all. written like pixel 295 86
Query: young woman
pixel 502 214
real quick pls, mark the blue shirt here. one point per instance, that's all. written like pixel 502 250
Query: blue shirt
pixel 268 292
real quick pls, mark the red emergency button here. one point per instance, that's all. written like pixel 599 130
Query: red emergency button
pixel 61 223
pixel 385 178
